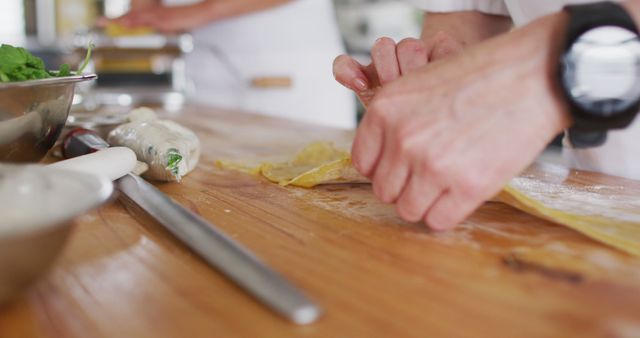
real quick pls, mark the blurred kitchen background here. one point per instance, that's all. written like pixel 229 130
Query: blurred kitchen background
pixel 149 69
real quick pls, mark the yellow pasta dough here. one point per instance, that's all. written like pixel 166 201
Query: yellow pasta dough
pixel 595 211
pixel 317 163
pixel 598 212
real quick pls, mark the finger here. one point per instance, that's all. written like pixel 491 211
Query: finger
pixel 367 144
pixel 122 20
pixel 385 61
pixel 444 46
pixel 148 18
pixel 391 173
pixel 132 20
pixel 350 73
pixel 412 54
pixel 102 22
pixel 372 75
pixel 389 179
pixel 465 195
pixel 166 28
pixel 418 196
pixel 450 209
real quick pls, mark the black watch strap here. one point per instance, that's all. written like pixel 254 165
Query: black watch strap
pixel 586 139
pixel 585 17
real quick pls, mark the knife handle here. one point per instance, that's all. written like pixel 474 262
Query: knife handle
pixel 113 163
pixel 80 149
pixel 80 141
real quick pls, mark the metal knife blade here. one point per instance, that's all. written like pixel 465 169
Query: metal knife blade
pixel 203 238
pixel 220 251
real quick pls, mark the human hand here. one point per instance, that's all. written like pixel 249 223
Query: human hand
pixel 164 19
pixel 389 62
pixel 442 140
pixel 442 36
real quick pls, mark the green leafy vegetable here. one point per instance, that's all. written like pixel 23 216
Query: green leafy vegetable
pixel 87 58
pixel 17 64
pixel 65 70
pixel 173 160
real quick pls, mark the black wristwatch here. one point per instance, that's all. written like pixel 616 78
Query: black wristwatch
pixel 600 71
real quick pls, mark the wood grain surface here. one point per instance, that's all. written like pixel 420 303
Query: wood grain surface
pixel 500 274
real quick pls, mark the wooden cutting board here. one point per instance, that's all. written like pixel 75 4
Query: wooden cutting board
pixel 502 273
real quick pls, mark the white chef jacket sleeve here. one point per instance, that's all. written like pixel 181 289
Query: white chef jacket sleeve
pixel 497 7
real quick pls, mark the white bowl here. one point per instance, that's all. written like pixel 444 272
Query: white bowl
pixel 37 208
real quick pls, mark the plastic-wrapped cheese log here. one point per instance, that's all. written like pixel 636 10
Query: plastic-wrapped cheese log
pixel 170 150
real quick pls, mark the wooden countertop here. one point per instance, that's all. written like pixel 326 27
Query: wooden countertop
pixel 500 274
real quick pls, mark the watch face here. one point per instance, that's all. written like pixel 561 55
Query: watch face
pixel 601 71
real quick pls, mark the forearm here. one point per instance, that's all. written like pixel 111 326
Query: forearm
pixel 223 9
pixel 467 27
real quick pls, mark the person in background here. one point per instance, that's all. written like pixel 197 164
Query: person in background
pixel 265 56
pixel 454 115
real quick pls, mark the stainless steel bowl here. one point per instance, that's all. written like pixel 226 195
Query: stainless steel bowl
pixel 33 114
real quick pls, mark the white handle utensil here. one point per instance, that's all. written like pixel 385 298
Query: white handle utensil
pixel 112 162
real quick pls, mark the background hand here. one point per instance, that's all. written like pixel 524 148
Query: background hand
pixel 164 19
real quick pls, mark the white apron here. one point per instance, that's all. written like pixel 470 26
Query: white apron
pixel 295 42
pixel 620 154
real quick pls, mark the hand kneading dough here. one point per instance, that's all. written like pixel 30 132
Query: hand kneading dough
pixel 614 221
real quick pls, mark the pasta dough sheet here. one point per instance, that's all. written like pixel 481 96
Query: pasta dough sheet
pixel 595 211
pixel 600 212
pixel 318 163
